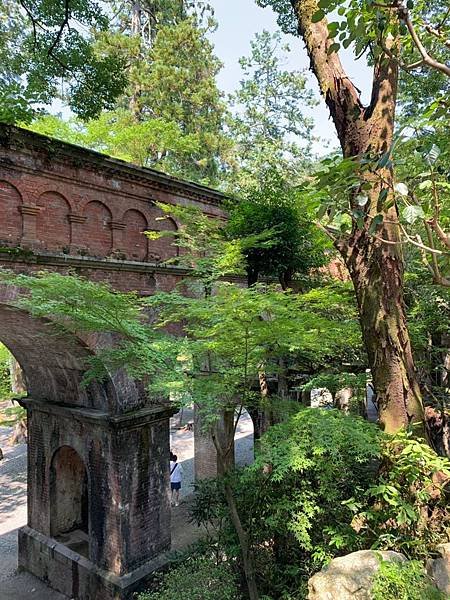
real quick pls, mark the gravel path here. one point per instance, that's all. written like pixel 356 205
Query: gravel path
pixel 13 503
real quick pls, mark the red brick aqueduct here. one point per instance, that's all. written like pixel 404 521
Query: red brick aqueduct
pixel 98 509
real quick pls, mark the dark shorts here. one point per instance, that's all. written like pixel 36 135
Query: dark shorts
pixel 175 486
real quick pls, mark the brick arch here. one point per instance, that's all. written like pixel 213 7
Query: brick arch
pixel 52 221
pixel 135 243
pixel 96 233
pixel 10 217
pixel 54 361
pixel 162 248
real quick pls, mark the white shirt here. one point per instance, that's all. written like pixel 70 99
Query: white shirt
pixel 177 473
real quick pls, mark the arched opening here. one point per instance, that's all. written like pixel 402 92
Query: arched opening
pixel 12 386
pixel 244 440
pixel 78 434
pixel 69 501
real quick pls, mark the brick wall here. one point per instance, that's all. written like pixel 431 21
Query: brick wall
pixel 59 200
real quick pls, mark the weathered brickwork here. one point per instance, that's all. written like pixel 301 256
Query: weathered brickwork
pixel 99 514
pixel 65 206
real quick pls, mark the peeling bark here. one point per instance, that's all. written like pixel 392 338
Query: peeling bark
pixel 376 269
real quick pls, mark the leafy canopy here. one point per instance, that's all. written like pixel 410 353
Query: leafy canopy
pixel 44 44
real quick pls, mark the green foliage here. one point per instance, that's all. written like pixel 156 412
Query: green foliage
pixel 326 484
pixel 334 382
pixel 271 204
pixel 269 125
pixel 196 579
pixel 404 581
pixel 421 188
pixel 429 325
pixel 286 16
pixel 292 500
pixel 11 415
pixel 118 134
pixel 337 381
pixel 171 115
pixel 5 382
pixel 40 48
pixel 235 329
pixel 407 508
pixel 181 88
pixel 207 248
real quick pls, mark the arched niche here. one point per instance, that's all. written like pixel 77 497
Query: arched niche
pixel 69 500
pixel 162 248
pixel 134 241
pixel 10 217
pixel 52 221
pixel 96 232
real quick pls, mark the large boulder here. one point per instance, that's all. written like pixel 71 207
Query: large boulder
pixel 439 569
pixel 349 577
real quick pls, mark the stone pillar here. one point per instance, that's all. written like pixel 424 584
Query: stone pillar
pixel 29 214
pixel 127 527
pixel 206 464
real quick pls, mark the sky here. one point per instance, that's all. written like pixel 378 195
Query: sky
pixel 238 21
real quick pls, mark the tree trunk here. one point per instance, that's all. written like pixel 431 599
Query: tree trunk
pixel 306 398
pixel 248 561
pixel 225 431
pixel 377 275
pixel 247 554
pixel 283 386
pixel 376 268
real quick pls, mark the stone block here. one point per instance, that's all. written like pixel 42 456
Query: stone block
pixel 349 577
pixel 439 569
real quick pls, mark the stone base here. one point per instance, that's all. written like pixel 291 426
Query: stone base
pixel 74 575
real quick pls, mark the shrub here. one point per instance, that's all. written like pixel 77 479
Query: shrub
pixel 406 509
pixel 291 499
pixel 196 579
pixel 326 484
pixel 404 581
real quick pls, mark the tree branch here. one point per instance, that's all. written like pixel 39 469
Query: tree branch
pixel 438 35
pixel 427 59
pixel 64 23
pixel 340 94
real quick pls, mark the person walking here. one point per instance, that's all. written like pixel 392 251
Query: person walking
pixel 176 476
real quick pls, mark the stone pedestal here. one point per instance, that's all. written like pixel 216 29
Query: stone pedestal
pixel 98 503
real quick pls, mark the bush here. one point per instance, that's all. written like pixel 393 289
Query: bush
pixel 406 509
pixel 196 579
pixel 291 501
pixel 325 484
pixel 404 581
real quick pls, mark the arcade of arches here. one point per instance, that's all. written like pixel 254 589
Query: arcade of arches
pixel 98 508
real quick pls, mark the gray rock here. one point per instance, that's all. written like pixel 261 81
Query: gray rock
pixel 349 577
pixel 439 569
